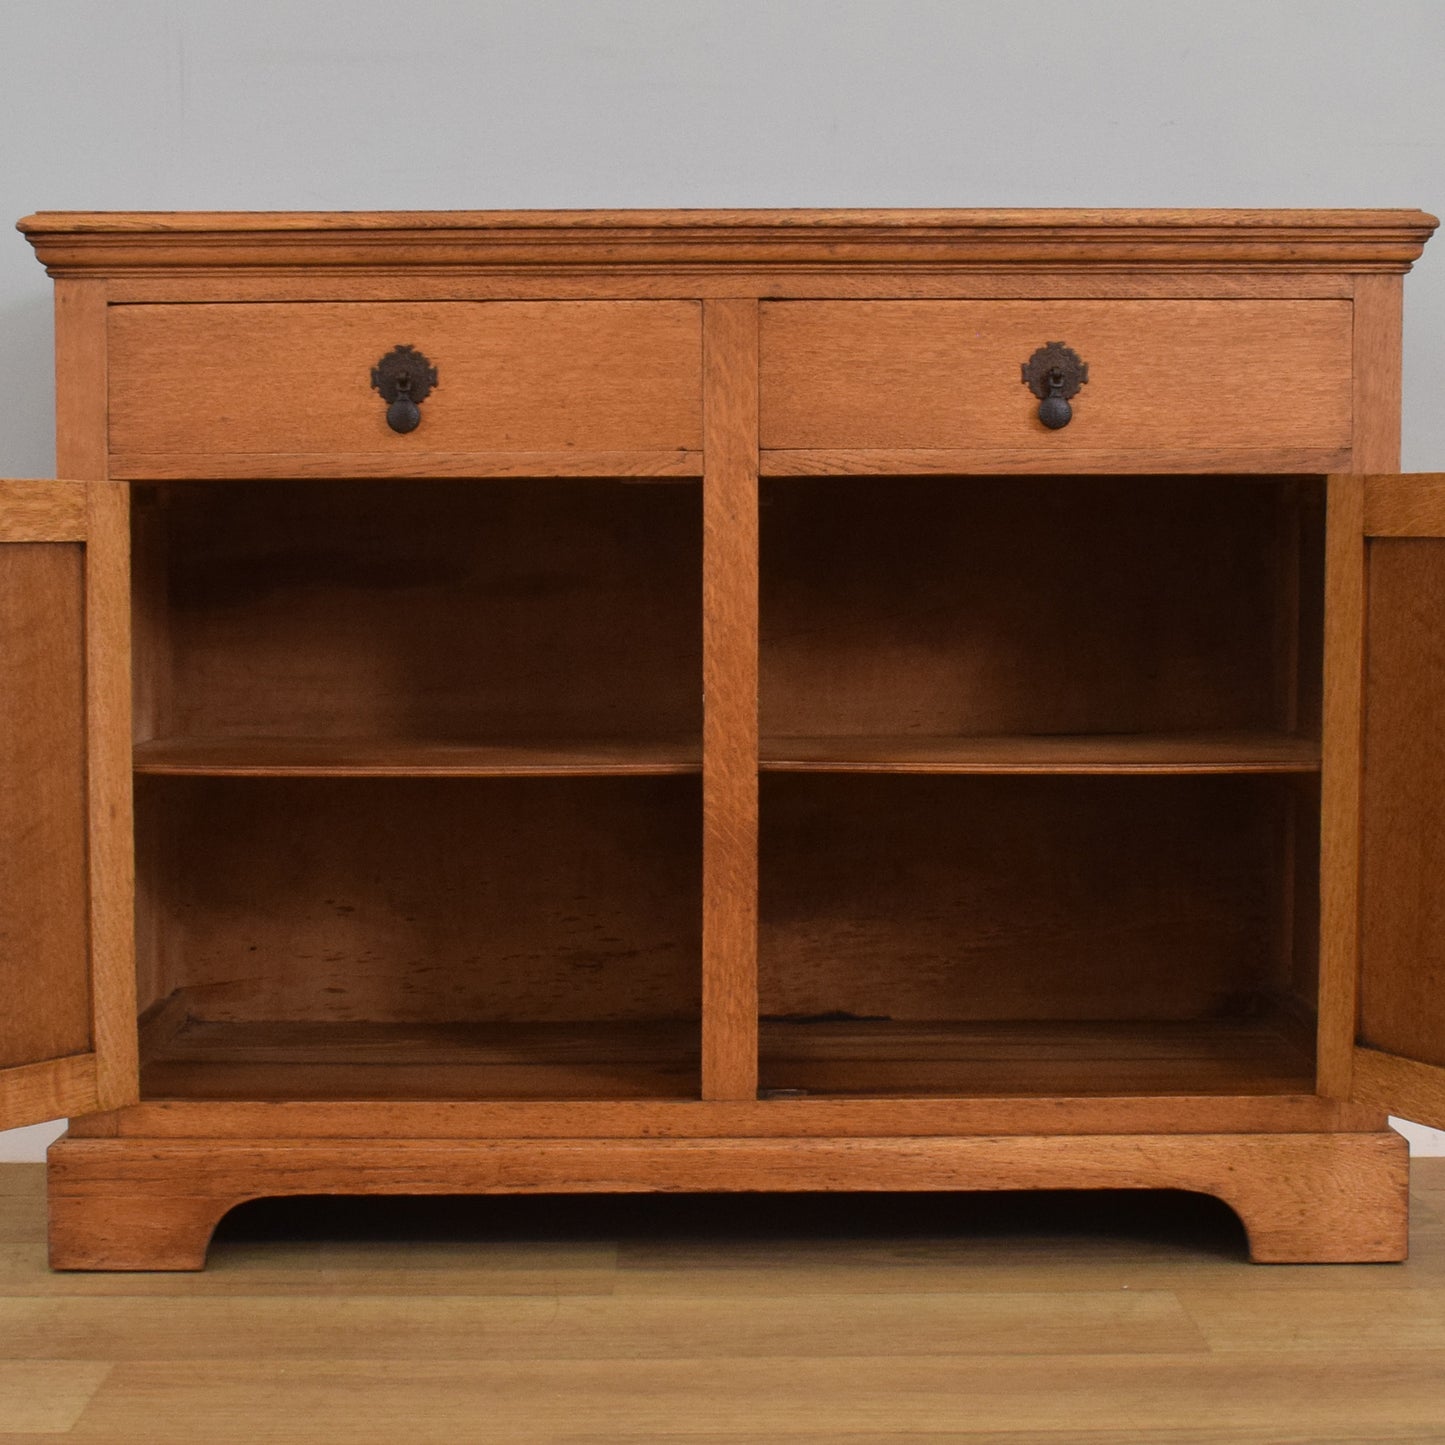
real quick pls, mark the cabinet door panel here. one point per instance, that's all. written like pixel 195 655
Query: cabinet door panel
pixel 67 1021
pixel 1400 1062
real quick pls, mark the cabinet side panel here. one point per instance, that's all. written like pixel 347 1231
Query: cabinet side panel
pixel 44 995
pixel 1340 782
pixel 1402 997
pixel 1376 368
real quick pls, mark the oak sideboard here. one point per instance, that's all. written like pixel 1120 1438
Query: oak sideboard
pixel 724 700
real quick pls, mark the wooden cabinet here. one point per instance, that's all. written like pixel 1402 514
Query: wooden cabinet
pixel 726 741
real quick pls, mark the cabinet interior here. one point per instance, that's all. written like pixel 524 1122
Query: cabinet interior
pixel 419 807
pixel 400 615
pixel 518 937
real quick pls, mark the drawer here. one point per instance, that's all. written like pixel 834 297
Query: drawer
pixel 274 389
pixel 1164 376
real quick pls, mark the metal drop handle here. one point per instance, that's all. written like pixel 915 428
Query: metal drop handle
pixel 1054 373
pixel 405 379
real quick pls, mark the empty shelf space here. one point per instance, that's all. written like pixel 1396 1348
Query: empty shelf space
pixel 406 758
pixel 939 607
pixel 1035 1058
pixel 419 611
pixel 1235 752
pixel 187 1058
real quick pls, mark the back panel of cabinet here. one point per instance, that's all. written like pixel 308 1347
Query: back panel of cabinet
pixel 463 611
pixel 969 605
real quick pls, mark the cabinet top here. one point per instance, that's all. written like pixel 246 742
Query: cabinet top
pixel 99 242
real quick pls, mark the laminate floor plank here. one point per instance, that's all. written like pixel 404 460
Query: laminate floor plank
pixel 22 1217
pixel 1319 1397
pixel 560 1328
pixel 1039 1277
pixel 1260 1321
pixel 1427 1177
pixel 279 1268
pixel 26 1180
pixel 1206 1436
pixel 1070 1320
pixel 44 1397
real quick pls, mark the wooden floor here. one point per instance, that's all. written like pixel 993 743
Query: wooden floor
pixel 1067 1319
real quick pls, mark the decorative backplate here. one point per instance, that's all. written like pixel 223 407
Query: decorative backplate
pixel 1055 370
pixel 405 378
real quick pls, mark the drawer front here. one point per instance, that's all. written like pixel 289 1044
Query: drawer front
pixel 276 389
pixel 1163 375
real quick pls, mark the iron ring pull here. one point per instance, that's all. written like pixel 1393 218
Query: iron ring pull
pixel 405 379
pixel 1054 373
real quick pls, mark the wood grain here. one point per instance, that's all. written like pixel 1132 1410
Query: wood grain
pixel 404 758
pixel 1376 373
pixel 1371 1395
pixel 473 465
pixel 1402 929
pixel 1403 1086
pixel 81 370
pixel 124 1204
pixel 1112 753
pixel 1405 506
pixel 426 900
pixel 613 1059
pixel 1011 1059
pixel 42 511
pixel 413 914
pixel 946 374
pixel 886 1321
pixel 1166 240
pixel 1023 898
pixel 1030 458
pixel 512 376
pixel 424 612
pixel 936 607
pixel 82 316
pixel 58 1009
pixel 54 1088
pixel 635 1059
pixel 344 757
pixel 44 938
pixel 111 831
pixel 47 1396
pixel 1343 722
pixel 776 1117
pixel 718 281
pixel 730 701
pixel 527 1328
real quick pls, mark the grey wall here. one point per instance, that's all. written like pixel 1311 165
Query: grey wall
pixel 273 104
pixel 141 104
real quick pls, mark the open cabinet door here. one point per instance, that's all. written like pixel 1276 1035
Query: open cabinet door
pixel 1399 1063
pixel 67 975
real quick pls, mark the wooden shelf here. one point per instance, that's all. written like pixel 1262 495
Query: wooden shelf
pixel 409 758
pixel 1169 753
pixel 1054 1059
pixel 184 1058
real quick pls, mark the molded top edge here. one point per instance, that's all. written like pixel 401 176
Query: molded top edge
pixel 99 243
pixel 180 222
